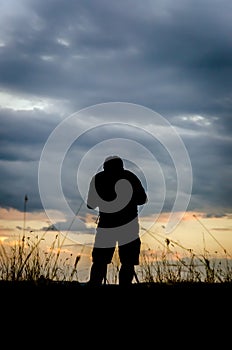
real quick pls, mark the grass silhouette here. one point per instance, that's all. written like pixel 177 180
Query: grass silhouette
pixel 176 263
pixel 28 260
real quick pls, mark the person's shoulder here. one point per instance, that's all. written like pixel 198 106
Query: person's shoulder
pixel 99 175
pixel 130 174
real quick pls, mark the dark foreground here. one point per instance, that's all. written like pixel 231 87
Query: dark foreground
pixel 71 309
pixel 77 292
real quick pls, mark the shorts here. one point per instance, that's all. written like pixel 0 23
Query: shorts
pixel 128 253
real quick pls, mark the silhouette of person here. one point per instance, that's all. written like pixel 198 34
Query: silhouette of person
pixel 117 193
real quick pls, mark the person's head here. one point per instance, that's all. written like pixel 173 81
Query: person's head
pixel 113 164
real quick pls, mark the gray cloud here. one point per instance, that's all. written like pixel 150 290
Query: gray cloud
pixel 172 58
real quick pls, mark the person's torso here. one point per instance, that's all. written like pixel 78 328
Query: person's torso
pixel 126 209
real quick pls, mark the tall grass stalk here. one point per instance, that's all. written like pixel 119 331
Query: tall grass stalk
pixel 27 260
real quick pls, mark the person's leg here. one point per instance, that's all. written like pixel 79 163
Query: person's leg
pixel 97 273
pixel 126 274
pixel 101 258
pixel 129 257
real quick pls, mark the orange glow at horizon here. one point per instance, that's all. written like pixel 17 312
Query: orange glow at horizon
pixel 193 229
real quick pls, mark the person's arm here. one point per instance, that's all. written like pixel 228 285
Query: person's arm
pixel 140 194
pixel 92 195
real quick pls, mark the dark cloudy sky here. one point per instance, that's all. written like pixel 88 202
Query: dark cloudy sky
pixel 173 57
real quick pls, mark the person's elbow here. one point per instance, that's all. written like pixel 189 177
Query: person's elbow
pixel 142 200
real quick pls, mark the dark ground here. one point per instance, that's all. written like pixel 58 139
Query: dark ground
pixel 152 292
pixel 67 312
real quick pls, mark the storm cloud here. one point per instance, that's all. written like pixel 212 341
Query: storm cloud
pixel 58 57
